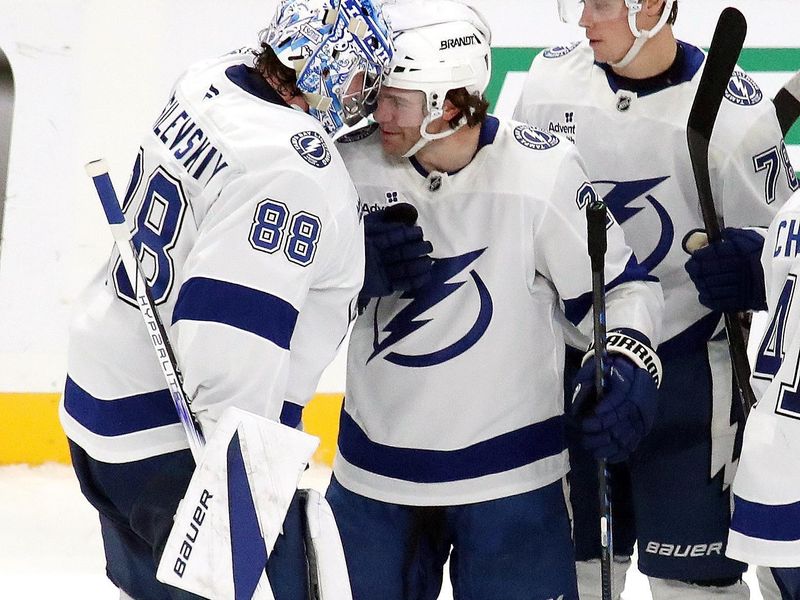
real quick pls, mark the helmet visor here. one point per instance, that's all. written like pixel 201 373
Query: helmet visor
pixel 571 11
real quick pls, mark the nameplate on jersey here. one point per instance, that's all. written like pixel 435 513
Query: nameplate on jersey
pixel 187 142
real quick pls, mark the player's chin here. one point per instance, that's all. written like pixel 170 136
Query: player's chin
pixel 394 144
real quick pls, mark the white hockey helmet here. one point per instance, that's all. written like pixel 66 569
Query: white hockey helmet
pixel 570 11
pixel 440 45
pixel 339 50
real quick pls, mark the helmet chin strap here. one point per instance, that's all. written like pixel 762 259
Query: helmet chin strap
pixel 426 137
pixel 641 35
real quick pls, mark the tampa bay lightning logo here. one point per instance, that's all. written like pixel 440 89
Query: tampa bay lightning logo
pixel 742 90
pixel 626 199
pixel 438 289
pixel 312 148
pixel 558 51
pixel 533 138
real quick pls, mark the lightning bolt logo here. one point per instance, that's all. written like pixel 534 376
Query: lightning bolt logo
pixel 311 148
pixel 743 90
pixel 313 145
pixel 407 321
pixel 619 199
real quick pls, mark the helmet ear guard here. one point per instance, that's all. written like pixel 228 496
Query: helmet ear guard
pixel 641 35
pixel 440 45
pixel 339 49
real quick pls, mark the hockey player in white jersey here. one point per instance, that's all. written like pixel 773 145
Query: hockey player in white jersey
pixel 623 96
pixel 452 435
pixel 766 515
pixel 248 229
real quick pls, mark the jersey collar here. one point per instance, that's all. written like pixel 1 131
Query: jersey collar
pixel 488 133
pixel 687 63
pixel 251 82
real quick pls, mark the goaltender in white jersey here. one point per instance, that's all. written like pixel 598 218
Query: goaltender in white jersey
pixel 234 307
pixel 249 234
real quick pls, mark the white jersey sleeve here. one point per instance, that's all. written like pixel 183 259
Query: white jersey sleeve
pixel 765 526
pixel 631 302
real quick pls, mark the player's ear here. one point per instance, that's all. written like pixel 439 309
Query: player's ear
pixel 450 113
pixel 653 8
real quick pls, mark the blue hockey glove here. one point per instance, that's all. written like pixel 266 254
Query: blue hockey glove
pixel 397 256
pixel 728 273
pixel 614 428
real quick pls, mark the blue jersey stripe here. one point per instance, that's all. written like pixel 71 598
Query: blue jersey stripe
pixel 291 414
pixel 779 523
pixel 119 416
pixel 260 313
pixel 695 336
pixel 576 309
pixel 496 455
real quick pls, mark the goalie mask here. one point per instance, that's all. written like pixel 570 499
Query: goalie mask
pixel 570 11
pixel 440 45
pixel 339 50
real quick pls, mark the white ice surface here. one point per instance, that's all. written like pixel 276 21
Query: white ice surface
pixel 50 545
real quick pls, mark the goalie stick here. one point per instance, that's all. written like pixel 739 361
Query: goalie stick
pixel 787 103
pixel 597 244
pixel 726 45
pixel 98 171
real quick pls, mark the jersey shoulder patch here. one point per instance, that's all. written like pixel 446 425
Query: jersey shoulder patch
pixel 742 90
pixel 312 148
pixel 358 134
pixel 559 51
pixel 535 139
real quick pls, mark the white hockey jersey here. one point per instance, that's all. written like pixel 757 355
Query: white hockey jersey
pixel 454 393
pixel 248 228
pixel 632 136
pixel 765 527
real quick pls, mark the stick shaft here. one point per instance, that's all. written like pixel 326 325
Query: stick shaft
pixel 597 244
pixel 726 46
pixel 98 171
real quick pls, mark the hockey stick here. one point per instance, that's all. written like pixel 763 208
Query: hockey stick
pixel 98 171
pixel 597 244
pixel 787 103
pixel 726 45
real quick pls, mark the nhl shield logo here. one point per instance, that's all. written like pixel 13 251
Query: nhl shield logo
pixel 312 148
pixel 535 139
pixel 742 90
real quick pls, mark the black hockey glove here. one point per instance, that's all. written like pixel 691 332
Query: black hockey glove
pixel 397 256
pixel 614 428
pixel 728 274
